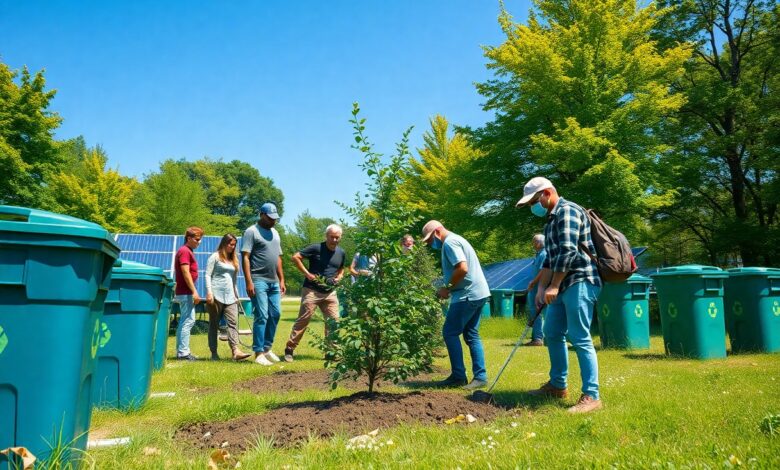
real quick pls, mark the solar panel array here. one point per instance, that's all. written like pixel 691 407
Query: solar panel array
pixel 160 250
pixel 515 274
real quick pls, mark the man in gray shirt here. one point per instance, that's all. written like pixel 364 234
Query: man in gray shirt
pixel 261 249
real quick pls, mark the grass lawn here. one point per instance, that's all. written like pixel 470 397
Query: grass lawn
pixel 659 413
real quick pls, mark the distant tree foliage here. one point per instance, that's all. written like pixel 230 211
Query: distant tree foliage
pixel 28 152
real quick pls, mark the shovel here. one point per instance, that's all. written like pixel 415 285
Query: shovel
pixel 487 397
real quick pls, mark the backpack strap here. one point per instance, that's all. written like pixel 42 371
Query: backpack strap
pixel 587 252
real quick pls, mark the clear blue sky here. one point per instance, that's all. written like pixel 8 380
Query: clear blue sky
pixel 269 82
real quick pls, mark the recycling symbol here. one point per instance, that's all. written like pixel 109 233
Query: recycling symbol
pixel 672 310
pixel 712 310
pixel 775 310
pixel 95 339
pixel 105 335
pixel 737 308
pixel 3 340
pixel 605 310
pixel 638 311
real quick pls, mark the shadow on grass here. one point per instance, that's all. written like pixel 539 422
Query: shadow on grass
pixel 509 399
pixel 654 357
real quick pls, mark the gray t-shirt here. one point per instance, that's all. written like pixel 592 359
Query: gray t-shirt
pixel 264 247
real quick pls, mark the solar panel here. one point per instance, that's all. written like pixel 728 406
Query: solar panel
pixel 517 273
pixel 159 251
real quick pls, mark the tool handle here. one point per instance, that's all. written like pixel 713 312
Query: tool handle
pixel 514 350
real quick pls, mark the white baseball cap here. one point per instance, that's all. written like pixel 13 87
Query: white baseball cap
pixel 429 228
pixel 533 186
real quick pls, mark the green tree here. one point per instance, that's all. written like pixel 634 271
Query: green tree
pixel 724 169
pixel 582 96
pixel 28 151
pixel 90 191
pixel 392 321
pixel 169 201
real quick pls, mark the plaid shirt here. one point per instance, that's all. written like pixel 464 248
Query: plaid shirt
pixel 568 226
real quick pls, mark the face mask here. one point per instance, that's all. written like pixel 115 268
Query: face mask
pixel 436 245
pixel 538 210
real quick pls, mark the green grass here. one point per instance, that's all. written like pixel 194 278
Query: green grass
pixel 659 413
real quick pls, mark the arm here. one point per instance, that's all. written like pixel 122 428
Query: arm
pixel 458 274
pixel 545 275
pixel 185 272
pixel 280 274
pixel 569 226
pixel 209 272
pixel 250 288
pixel 535 280
pixel 339 275
pixel 298 260
pixel 352 269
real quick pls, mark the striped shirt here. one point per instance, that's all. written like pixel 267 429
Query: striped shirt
pixel 567 226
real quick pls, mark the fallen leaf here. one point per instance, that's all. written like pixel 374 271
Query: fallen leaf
pixel 148 451
pixel 457 419
pixel 217 458
pixel 470 419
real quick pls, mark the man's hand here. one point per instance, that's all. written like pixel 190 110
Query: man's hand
pixel 209 298
pixel 250 288
pixel 282 288
pixel 195 298
pixel 337 279
pixel 531 284
pixel 311 277
pixel 550 294
pixel 443 293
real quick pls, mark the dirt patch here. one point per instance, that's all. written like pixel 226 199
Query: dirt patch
pixel 353 415
pixel 289 381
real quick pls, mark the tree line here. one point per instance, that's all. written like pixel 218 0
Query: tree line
pixel 662 116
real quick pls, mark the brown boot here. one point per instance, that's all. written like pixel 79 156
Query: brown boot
pixel 549 390
pixel 585 404
pixel 239 355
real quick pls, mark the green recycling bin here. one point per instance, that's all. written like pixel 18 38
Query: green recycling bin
pixel 623 314
pixel 503 302
pixel 54 275
pixel 124 369
pixel 690 299
pixel 161 325
pixel 485 313
pixel 752 300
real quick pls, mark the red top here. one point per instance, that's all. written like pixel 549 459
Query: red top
pixel 185 256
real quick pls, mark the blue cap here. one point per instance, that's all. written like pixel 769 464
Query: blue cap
pixel 269 209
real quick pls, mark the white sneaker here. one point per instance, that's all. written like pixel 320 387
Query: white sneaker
pixel 271 356
pixel 263 361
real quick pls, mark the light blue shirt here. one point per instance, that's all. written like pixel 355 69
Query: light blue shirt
pixel 220 279
pixel 454 250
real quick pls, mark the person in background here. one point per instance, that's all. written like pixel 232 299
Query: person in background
pixel 465 285
pixel 569 285
pixel 326 268
pixel 261 249
pixel 407 242
pixel 362 265
pixel 222 295
pixel 186 295
pixel 537 336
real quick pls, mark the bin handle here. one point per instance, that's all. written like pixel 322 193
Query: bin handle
pixel 14 214
pixel 774 284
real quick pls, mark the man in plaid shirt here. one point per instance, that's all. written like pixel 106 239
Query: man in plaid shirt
pixel 569 286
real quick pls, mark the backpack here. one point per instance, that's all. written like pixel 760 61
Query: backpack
pixel 614 259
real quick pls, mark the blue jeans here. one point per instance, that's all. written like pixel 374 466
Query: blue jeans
pixel 463 319
pixel 186 322
pixel 570 317
pixel 536 330
pixel 266 308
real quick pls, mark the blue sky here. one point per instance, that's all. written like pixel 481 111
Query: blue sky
pixel 269 82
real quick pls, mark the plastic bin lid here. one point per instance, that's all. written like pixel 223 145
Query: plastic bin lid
pixel 122 266
pixel 26 220
pixel 754 271
pixel 502 291
pixel 691 270
pixel 638 278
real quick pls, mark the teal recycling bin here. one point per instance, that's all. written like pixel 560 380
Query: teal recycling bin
pixel 54 275
pixel 161 323
pixel 503 302
pixel 752 300
pixel 485 313
pixel 690 299
pixel 124 369
pixel 624 314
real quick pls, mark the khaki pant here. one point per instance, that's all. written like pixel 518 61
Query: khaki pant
pixel 216 310
pixel 311 299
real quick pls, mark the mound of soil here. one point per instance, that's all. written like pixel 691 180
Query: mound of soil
pixel 288 381
pixel 355 414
